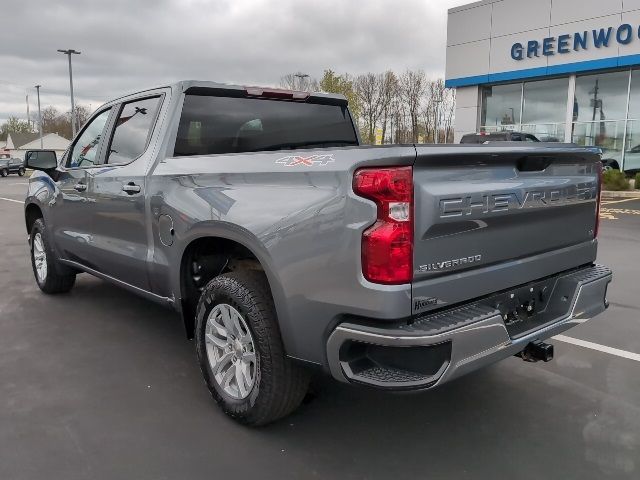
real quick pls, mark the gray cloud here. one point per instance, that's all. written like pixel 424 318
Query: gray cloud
pixel 132 44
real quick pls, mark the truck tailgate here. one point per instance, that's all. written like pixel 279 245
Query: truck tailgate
pixel 492 217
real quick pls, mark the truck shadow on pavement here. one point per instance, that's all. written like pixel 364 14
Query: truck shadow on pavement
pixel 124 366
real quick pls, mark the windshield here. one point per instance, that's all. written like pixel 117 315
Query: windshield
pixel 211 125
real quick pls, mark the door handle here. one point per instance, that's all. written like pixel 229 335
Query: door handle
pixel 131 188
pixel 80 187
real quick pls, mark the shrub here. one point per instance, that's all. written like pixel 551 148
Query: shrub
pixel 637 181
pixel 614 180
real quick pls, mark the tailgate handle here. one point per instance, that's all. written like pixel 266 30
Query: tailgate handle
pixel 131 188
pixel 534 164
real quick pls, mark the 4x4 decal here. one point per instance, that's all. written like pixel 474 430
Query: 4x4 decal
pixel 311 160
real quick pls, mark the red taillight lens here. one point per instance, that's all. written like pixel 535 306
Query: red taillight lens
pixel 387 246
pixel 597 227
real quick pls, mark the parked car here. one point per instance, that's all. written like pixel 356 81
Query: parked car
pixel 11 165
pixel 288 248
pixel 612 160
pixel 485 137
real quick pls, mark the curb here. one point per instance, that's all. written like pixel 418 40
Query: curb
pixel 606 194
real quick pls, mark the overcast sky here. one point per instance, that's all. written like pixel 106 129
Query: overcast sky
pixel 132 44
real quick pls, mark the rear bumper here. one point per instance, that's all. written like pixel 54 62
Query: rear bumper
pixel 443 346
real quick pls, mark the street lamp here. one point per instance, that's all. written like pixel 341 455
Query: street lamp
pixel 301 76
pixel 37 87
pixel 68 53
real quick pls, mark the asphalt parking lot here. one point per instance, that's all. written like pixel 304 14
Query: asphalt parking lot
pixel 100 384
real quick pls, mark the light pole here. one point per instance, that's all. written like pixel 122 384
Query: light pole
pixel 68 53
pixel 39 117
pixel 438 101
pixel 301 76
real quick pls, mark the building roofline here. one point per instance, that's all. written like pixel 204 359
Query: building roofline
pixel 469 6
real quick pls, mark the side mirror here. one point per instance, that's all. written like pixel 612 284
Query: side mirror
pixel 40 160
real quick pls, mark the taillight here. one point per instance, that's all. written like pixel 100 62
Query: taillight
pixel 387 246
pixel 597 227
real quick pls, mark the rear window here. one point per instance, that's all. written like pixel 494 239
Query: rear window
pixel 212 125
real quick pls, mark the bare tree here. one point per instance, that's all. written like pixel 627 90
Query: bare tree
pixel 407 107
pixel 448 108
pixel 412 88
pixel 371 98
pixel 389 93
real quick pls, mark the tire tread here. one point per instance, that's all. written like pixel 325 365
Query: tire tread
pixel 282 383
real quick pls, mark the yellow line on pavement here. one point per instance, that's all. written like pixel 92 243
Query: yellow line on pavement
pixel 610 202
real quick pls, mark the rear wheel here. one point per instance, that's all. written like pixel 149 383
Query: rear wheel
pixel 240 350
pixel 44 263
pixel 4 172
pixel 21 172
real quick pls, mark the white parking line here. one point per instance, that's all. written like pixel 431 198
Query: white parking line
pixel 598 347
pixel 11 200
pixel 19 183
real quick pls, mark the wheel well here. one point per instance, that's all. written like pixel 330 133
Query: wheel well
pixel 31 214
pixel 609 162
pixel 204 259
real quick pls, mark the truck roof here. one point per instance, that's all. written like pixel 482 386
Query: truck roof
pixel 201 85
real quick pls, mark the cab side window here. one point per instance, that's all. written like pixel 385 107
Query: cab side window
pixel 132 130
pixel 85 149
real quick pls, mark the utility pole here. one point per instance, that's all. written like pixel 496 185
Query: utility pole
pixel 40 118
pixel 28 114
pixel 438 101
pixel 68 53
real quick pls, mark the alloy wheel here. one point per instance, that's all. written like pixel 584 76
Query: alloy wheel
pixel 39 257
pixel 230 351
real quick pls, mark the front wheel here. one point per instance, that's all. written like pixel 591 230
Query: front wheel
pixel 44 263
pixel 4 172
pixel 21 172
pixel 240 350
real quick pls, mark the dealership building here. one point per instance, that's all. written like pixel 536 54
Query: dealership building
pixel 563 70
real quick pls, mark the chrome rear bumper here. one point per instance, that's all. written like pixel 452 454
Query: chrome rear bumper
pixel 455 342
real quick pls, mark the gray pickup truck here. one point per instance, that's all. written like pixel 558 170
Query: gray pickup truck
pixel 288 247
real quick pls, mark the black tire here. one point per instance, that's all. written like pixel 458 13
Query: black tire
pixel 54 281
pixel 21 172
pixel 280 385
pixel 4 172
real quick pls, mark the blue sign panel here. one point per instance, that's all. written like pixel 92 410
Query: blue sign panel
pixel 567 43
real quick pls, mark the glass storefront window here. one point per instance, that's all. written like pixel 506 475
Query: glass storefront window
pixel 601 97
pixel 632 147
pixel 600 116
pixel 546 132
pixel 545 102
pixel 634 96
pixel 606 135
pixel 632 144
pixel 501 106
pixel 600 108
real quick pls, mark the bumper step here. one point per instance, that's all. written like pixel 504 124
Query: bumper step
pixel 441 346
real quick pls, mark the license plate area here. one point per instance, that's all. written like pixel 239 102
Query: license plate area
pixel 526 308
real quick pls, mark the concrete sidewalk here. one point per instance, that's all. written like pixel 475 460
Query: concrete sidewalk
pixel 609 195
